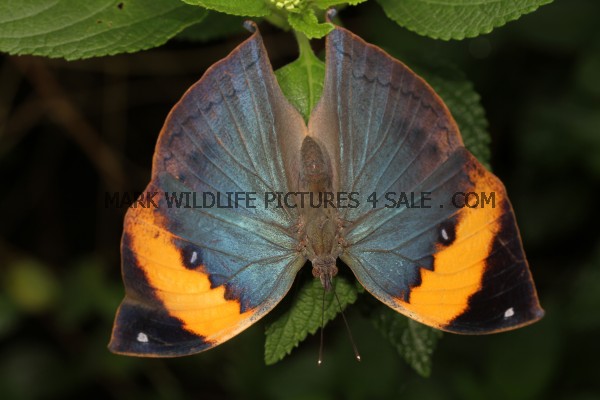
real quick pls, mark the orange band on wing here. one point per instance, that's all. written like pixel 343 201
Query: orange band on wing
pixel 458 268
pixel 185 293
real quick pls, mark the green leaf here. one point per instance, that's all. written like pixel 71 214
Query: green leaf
pixel 307 23
pixel 456 19
pixel 302 80
pixel 304 317
pixel 76 29
pixel 325 4
pixel 216 25
pixel 415 342
pixel 465 105
pixel 248 8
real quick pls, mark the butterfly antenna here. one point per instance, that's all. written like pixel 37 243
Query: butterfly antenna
pixel 354 348
pixel 320 361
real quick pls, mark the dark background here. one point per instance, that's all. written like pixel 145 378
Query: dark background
pixel 71 131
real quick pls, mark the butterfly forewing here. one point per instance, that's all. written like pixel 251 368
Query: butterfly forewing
pixel 455 268
pixel 195 276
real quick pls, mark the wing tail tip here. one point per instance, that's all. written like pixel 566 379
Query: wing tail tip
pixel 144 330
pixel 122 344
pixel 505 323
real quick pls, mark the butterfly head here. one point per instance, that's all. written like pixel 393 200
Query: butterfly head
pixel 324 268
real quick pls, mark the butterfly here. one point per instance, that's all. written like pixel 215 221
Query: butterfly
pixel 196 276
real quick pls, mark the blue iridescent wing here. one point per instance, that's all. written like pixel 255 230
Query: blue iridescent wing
pixel 457 269
pixel 196 275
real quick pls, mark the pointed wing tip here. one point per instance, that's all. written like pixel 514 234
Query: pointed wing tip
pixel 250 26
pixel 510 320
pixel 143 331
pixel 331 14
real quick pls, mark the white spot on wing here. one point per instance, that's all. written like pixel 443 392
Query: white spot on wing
pixel 194 257
pixel 445 234
pixel 509 313
pixel 142 337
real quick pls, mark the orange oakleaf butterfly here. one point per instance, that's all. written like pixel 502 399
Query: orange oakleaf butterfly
pixel 195 277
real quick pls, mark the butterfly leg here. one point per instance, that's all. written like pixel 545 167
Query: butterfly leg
pixel 302 245
pixel 341 225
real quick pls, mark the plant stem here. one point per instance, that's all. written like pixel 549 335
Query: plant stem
pixel 304 45
pixel 278 19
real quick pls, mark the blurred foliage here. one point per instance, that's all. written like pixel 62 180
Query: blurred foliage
pixel 60 283
pixel 415 342
pixel 30 286
pixel 465 106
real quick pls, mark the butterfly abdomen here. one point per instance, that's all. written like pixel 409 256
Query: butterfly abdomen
pixel 316 167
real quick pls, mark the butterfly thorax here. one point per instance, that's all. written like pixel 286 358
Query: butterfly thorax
pixel 319 221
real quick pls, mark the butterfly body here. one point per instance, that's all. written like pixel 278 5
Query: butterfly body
pixel 195 277
pixel 321 224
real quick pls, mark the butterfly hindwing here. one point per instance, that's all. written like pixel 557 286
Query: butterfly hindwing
pixel 455 268
pixel 197 274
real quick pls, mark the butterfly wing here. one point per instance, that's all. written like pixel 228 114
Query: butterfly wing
pixel 457 269
pixel 196 275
